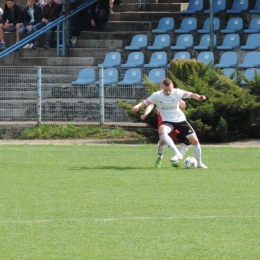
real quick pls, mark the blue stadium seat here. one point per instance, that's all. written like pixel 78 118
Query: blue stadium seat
pixel 218 6
pixel 252 42
pixel 234 24
pixel 206 57
pixel 228 59
pixel 134 59
pixel 161 41
pixel 238 7
pixel 205 42
pixel 139 41
pixel 85 77
pixel 256 9
pixel 254 26
pixel 156 75
pixel 251 60
pixel 157 60
pixel 112 59
pixel 182 55
pixel 166 24
pixel 194 6
pixel 206 25
pixel 188 25
pixel 110 77
pixel 184 42
pixel 229 71
pixel 131 77
pixel 249 74
pixel 230 42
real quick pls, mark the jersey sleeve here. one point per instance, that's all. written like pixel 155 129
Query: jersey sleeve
pixel 183 93
pixel 150 100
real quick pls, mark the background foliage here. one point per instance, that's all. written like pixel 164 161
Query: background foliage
pixel 229 113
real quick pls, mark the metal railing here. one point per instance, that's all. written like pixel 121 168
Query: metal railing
pixel 60 23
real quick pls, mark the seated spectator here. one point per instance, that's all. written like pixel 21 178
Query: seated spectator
pixel 12 21
pixel 32 21
pixel 51 12
pixel 99 14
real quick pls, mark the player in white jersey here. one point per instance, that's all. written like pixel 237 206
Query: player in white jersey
pixel 167 104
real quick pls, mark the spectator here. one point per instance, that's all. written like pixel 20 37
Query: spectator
pixel 12 21
pixel 32 21
pixel 51 12
pixel 99 14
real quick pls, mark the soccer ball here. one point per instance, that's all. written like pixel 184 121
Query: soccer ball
pixel 190 163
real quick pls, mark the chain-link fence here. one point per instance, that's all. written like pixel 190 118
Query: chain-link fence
pixel 71 95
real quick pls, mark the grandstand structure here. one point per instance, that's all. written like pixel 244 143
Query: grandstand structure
pixel 158 29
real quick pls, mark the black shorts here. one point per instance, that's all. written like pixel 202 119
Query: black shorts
pixel 183 127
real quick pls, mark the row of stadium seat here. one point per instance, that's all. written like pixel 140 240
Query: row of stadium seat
pixel 190 24
pixel 133 76
pixel 159 59
pixel 186 41
pixel 238 6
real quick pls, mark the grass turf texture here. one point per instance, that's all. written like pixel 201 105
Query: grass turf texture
pixel 109 202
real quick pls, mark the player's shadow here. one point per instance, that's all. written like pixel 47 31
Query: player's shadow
pixel 84 168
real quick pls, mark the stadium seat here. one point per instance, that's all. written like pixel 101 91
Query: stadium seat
pixel 85 77
pixel 228 59
pixel 206 57
pixel 158 59
pixel 156 75
pixel 205 42
pixel 161 41
pixel 238 7
pixel 182 55
pixel 256 9
pixel 131 77
pixel 254 26
pixel 206 25
pixel 250 74
pixel 218 6
pixel 230 42
pixel 234 24
pixel 139 41
pixel 188 25
pixel 112 59
pixel 184 42
pixel 252 42
pixel 166 24
pixel 229 71
pixel 134 59
pixel 194 6
pixel 110 77
pixel 251 60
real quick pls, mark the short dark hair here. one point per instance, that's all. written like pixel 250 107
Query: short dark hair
pixel 166 82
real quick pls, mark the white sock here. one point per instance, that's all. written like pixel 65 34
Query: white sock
pixel 183 148
pixel 160 149
pixel 197 152
pixel 167 139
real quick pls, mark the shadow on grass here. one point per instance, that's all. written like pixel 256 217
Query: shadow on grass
pixel 83 168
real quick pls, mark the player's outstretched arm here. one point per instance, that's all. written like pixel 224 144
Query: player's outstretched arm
pixel 197 96
pixel 147 111
pixel 137 107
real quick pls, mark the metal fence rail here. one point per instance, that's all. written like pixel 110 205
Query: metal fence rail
pixel 47 95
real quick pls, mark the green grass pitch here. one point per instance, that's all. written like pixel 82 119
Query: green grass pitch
pixel 110 202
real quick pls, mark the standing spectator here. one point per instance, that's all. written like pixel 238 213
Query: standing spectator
pixel 12 21
pixel 51 12
pixel 99 14
pixel 32 21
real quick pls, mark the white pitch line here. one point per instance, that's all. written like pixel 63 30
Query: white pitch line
pixel 122 219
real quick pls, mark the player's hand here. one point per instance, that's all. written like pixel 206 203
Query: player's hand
pixel 202 97
pixel 143 116
pixel 134 109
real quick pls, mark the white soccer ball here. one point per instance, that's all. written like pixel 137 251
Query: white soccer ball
pixel 190 163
